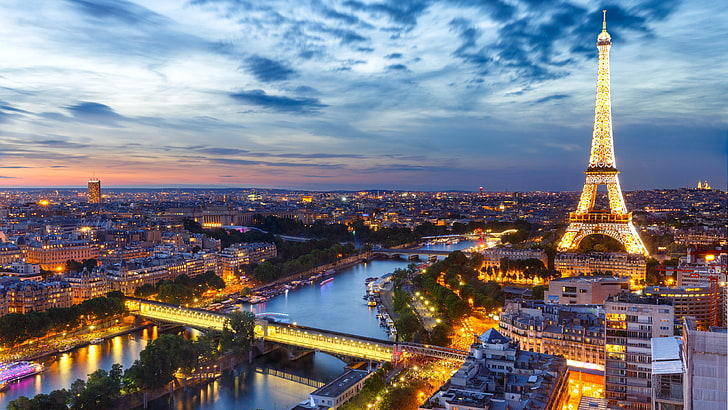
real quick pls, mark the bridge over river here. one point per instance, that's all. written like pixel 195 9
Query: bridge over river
pixel 327 341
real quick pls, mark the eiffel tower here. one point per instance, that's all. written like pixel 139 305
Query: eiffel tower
pixel 616 222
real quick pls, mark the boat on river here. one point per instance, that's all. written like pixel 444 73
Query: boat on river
pixel 323 282
pixel 16 371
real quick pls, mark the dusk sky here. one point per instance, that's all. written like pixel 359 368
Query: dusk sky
pixel 356 94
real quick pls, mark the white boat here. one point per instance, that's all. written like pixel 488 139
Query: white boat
pixel 96 341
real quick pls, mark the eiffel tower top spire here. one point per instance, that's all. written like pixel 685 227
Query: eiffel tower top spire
pixel 602 150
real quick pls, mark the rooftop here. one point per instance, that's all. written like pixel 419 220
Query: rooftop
pixel 341 383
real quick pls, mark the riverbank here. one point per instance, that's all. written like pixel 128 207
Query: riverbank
pixel 279 286
pixel 49 346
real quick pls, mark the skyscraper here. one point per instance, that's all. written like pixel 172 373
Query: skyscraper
pixel 94 191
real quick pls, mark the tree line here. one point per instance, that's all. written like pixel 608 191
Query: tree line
pixel 17 328
pixel 182 290
pixel 280 267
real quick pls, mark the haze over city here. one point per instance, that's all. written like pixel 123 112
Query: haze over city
pixel 421 95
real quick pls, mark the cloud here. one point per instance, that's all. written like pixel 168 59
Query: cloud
pixel 246 162
pixel 93 112
pixel 278 103
pixel 404 12
pixel 267 70
pixel 120 10
pixel 554 97
pixel 222 151
pixel 393 56
pixel 397 67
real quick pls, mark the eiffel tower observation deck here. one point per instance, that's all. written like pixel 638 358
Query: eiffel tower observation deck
pixel 616 221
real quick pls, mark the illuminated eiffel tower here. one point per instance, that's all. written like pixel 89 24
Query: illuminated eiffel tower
pixel 615 222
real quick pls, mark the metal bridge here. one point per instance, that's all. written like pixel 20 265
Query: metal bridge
pixel 386 251
pixel 327 341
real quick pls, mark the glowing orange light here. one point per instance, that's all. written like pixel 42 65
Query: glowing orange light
pixel 44 202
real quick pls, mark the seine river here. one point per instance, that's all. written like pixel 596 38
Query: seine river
pixel 337 305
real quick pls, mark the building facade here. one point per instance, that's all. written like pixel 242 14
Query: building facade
pixel 575 332
pixel 695 301
pixel 54 255
pixel 584 290
pixel 630 322
pixel 32 296
pixel 87 285
pixel 625 265
pixel 705 356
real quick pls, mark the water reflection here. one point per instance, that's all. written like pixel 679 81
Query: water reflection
pixel 338 305
pixel 64 368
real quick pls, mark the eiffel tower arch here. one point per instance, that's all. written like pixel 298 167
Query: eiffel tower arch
pixel 615 222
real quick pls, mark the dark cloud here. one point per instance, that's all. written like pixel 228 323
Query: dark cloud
pixel 312 156
pixel 7 111
pixel 223 151
pixel 345 36
pixel 349 19
pixel 267 70
pixel 227 176
pixel 277 102
pixel 7 107
pixel 397 67
pixel 404 12
pixel 528 48
pixel 119 10
pixel 93 112
pixel 246 162
pixel 57 143
pixel 554 97
pixel 393 56
pixel 15 167
pixel 496 9
pixel 6 177
pixel 309 54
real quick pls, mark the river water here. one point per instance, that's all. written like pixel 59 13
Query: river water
pixel 337 305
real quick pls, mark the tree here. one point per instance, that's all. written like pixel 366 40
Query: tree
pixel 407 325
pixel 99 391
pixel 238 332
pixel 174 293
pixel 159 361
pixel 145 291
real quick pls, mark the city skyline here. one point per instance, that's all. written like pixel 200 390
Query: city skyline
pixel 416 95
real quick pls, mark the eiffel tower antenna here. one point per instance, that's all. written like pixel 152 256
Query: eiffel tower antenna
pixel 602 170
